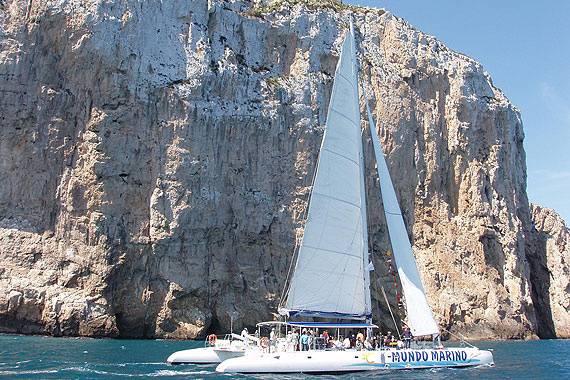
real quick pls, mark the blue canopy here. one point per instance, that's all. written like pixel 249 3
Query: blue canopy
pixel 321 325
pixel 332 325
pixel 322 314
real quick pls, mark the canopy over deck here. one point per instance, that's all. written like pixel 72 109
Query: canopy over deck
pixel 320 325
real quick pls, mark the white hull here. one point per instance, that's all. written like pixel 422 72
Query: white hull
pixel 352 361
pixel 208 355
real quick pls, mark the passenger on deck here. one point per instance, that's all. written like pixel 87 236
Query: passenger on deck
pixel 289 341
pixel 272 335
pixel 304 341
pixel 326 338
pixel 295 339
pixel 436 338
pixel 407 335
pixel 378 341
pixel 346 343
pixel 387 339
pixel 358 345
pixel 336 344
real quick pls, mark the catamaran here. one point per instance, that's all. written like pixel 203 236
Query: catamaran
pixel 331 275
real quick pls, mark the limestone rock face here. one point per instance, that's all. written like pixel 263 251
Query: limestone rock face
pixel 156 160
pixel 554 250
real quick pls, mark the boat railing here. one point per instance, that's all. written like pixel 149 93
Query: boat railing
pixel 283 344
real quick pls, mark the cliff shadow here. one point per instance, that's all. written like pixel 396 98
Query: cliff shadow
pixel 540 285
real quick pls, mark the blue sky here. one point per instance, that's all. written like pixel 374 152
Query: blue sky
pixel 525 46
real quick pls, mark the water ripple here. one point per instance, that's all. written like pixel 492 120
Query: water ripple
pixel 64 358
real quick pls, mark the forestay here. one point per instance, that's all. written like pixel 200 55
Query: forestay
pixel 420 318
pixel 329 274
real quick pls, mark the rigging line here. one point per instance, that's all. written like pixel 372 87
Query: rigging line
pixel 368 238
pixel 295 251
pixel 399 300
pixel 458 335
pixel 392 314
pixel 461 337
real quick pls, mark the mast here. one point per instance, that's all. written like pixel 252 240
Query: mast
pixel 366 253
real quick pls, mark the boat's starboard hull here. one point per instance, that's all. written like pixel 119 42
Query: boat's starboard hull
pixel 352 361
pixel 205 355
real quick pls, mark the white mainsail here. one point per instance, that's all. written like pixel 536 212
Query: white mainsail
pixel 420 318
pixel 330 274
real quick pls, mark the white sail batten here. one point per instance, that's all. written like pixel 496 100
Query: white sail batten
pixel 419 314
pixel 328 278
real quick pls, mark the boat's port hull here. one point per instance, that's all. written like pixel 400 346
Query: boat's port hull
pixel 205 355
pixel 354 361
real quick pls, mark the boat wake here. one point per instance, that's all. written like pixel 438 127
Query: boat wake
pixel 82 371
pixel 27 372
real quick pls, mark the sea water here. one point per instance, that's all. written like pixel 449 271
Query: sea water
pixel 36 357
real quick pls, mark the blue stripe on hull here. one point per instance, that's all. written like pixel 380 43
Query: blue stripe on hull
pixel 406 365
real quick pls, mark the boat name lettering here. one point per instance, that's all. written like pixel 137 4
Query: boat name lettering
pixel 424 356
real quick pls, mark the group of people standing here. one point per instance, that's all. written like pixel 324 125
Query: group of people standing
pixel 379 341
pixel 308 339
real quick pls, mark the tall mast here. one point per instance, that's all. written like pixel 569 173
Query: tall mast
pixel 366 253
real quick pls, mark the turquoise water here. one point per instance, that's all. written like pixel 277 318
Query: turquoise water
pixel 33 357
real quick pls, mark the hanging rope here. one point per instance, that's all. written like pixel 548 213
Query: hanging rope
pixel 460 337
pixel 392 314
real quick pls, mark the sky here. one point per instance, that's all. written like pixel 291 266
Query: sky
pixel 525 46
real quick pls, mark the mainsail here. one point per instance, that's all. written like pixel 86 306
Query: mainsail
pixel 420 318
pixel 330 277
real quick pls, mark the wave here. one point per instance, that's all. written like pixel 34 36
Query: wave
pixel 29 372
pixel 170 372
pixel 131 363
pixel 158 373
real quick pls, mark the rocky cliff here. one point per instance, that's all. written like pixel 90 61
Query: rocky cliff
pixel 553 252
pixel 156 159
